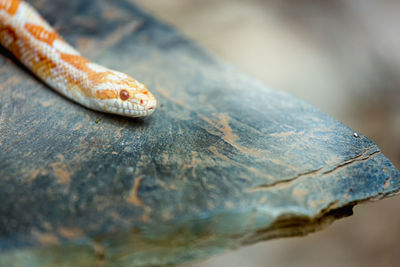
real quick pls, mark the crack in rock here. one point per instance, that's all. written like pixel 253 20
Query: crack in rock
pixel 366 155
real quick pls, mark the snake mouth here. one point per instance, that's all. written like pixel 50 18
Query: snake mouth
pixel 133 108
pixel 133 113
pixel 139 106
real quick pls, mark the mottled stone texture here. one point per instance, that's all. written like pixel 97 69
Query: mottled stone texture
pixel 224 161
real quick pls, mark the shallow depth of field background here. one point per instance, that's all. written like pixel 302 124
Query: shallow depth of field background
pixel 341 56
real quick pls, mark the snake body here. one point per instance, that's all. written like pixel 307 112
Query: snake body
pixel 41 49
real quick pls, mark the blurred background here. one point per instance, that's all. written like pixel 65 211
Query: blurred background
pixel 341 56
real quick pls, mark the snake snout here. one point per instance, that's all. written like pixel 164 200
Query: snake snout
pixel 152 104
pixel 146 101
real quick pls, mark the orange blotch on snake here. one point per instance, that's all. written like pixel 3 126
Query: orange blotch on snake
pixel 9 38
pixel 41 33
pixel 77 61
pixel 124 95
pixel 106 94
pixel 10 7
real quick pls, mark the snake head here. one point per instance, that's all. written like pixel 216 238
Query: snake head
pixel 120 94
pixel 136 102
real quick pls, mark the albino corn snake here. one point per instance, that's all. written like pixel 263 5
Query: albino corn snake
pixel 39 47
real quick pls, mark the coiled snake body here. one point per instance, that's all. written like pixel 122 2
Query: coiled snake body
pixel 36 44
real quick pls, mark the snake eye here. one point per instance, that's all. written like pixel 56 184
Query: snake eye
pixel 124 95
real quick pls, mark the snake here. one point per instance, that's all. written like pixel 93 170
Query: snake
pixel 33 42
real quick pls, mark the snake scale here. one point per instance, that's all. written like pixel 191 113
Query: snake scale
pixel 41 49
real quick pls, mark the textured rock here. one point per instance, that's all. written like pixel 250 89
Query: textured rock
pixel 224 161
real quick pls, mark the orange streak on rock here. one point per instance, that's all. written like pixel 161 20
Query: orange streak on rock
pixel 71 233
pixel 133 197
pixel 214 150
pixel 226 132
pixel 61 171
pixel 46 238
pixel 32 175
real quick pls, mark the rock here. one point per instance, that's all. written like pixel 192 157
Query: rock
pixel 224 161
